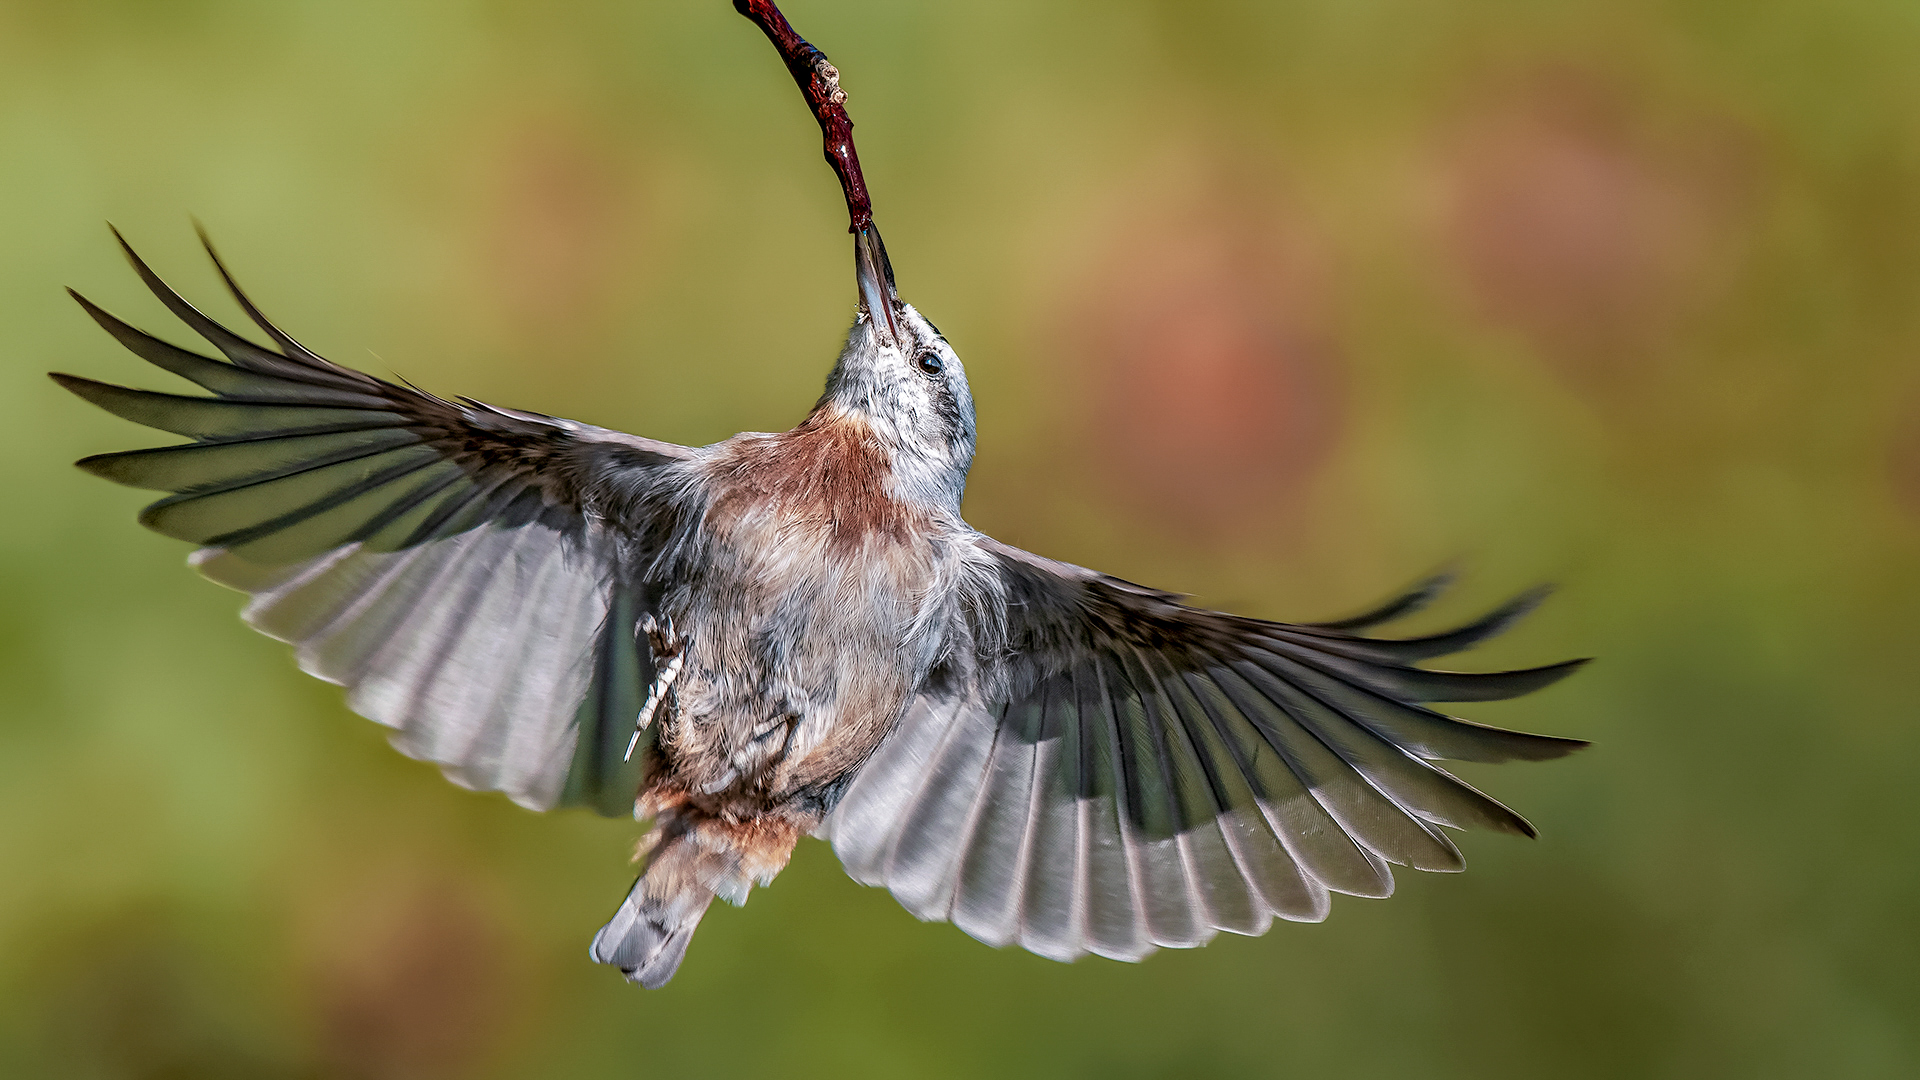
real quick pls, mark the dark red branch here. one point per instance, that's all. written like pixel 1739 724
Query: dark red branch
pixel 821 84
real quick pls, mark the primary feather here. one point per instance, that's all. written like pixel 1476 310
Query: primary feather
pixel 444 562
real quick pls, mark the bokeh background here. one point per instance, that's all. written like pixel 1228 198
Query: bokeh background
pixel 1282 304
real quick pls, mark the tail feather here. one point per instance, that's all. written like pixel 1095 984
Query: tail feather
pixel 647 938
pixel 691 859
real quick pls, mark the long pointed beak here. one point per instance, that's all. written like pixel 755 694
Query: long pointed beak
pixel 875 276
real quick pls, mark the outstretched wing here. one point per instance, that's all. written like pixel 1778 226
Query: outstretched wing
pixel 1127 773
pixel 460 569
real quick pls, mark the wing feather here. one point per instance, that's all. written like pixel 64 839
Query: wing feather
pixel 466 572
pixel 1113 903
pixel 993 865
pixel 1224 886
pixel 1303 823
pixel 1119 772
pixel 921 866
pixel 1053 916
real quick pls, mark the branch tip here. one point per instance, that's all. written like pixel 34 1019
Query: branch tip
pixel 819 83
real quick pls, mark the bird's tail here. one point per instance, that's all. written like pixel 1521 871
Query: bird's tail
pixel 647 938
pixel 689 861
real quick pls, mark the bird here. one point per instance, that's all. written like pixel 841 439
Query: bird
pixel 797 633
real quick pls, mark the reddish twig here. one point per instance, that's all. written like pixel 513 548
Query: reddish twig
pixel 821 84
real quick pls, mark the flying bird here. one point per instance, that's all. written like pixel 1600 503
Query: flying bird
pixel 793 634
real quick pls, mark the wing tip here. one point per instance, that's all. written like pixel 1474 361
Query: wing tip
pixel 1553 673
pixel 94 311
pixel 139 264
pixel 1556 746
pixel 1406 603
pixel 88 390
pixel 1521 606
pixel 295 352
pixel 103 466
pixel 1500 817
pixel 1498 685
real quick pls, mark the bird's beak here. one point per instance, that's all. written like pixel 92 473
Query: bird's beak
pixel 875 276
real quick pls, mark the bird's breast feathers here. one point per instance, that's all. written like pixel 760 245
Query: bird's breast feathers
pixel 807 630
pixel 822 489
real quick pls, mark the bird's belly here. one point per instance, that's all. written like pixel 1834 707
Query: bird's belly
pixel 794 672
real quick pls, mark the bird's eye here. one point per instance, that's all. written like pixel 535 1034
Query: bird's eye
pixel 930 363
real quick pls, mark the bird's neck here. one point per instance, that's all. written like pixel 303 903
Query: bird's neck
pixel 916 470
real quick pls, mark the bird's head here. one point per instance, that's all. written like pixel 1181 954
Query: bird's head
pixel 899 375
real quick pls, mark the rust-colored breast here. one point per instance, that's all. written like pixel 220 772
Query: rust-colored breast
pixel 829 475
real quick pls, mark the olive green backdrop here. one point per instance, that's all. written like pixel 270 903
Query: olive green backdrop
pixel 1283 304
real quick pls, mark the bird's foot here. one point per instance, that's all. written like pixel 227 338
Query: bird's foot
pixel 666 645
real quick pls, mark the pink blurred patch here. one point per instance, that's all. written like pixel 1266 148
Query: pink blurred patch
pixel 1202 341
pixel 1591 225
pixel 1903 457
pixel 558 216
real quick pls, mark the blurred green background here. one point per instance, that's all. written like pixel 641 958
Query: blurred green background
pixel 1282 304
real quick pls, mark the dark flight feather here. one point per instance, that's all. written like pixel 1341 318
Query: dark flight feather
pixel 1188 771
pixel 438 559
